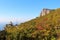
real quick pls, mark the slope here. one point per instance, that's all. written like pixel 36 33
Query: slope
pixel 45 27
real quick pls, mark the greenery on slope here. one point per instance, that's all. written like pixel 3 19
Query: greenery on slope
pixel 41 28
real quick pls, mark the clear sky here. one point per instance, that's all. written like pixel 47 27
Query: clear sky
pixel 22 10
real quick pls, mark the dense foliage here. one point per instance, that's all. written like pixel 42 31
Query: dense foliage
pixel 41 28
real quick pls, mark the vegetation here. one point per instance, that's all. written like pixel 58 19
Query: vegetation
pixel 41 28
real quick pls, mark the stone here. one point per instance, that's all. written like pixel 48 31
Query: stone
pixel 45 11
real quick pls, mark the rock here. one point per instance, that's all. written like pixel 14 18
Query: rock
pixel 45 11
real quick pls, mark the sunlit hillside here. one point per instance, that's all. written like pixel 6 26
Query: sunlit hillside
pixel 45 27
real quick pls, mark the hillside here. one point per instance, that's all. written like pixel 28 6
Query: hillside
pixel 46 27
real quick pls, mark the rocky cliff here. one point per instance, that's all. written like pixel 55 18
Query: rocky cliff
pixel 45 11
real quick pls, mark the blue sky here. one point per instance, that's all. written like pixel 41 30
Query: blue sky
pixel 22 10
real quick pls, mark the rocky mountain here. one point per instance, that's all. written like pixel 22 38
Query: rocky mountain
pixel 44 27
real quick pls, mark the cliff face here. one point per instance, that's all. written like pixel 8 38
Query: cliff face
pixel 44 12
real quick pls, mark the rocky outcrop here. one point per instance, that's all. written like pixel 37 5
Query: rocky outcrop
pixel 45 11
